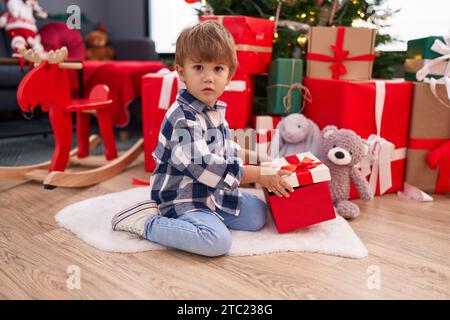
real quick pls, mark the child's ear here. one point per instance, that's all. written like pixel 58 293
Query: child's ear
pixel 179 70
pixel 229 79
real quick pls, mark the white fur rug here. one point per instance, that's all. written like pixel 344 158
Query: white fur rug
pixel 90 220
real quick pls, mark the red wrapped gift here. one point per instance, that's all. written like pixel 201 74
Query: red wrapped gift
pixel 376 110
pixel 311 201
pixel 253 38
pixel 159 91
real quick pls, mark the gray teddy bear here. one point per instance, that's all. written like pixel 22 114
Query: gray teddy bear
pixel 340 151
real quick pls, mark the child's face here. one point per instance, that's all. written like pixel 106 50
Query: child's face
pixel 206 81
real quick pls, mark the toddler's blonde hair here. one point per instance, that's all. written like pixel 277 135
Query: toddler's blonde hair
pixel 207 41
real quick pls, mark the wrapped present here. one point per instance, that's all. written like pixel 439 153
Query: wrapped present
pixel 239 98
pixel 264 122
pixel 376 110
pixel 428 164
pixel 285 89
pixel 430 54
pixel 159 91
pixel 311 201
pixel 419 49
pixel 253 38
pixel 264 128
pixel 340 53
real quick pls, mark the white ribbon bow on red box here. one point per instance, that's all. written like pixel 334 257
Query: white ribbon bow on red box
pixel 382 152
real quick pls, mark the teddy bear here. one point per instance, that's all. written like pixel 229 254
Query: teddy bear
pixel 97 48
pixel 341 150
pixel 295 134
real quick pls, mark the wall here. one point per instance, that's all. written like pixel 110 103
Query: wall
pixel 124 19
pixel 92 9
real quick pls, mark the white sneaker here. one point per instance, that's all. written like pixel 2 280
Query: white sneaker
pixel 133 219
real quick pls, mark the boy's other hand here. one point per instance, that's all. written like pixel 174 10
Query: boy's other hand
pixel 272 180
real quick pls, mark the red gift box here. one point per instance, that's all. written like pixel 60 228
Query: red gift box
pixel 253 38
pixel 376 110
pixel 311 201
pixel 238 95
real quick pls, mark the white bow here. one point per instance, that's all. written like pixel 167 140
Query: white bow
pixel 441 47
pixel 379 158
pixel 444 50
pixel 377 163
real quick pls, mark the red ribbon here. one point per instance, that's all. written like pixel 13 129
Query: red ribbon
pixel 301 168
pixel 425 144
pixel 340 55
pixel 264 137
pixel 139 182
pixel 439 156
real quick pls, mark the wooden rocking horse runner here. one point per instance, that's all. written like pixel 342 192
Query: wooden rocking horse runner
pixel 48 85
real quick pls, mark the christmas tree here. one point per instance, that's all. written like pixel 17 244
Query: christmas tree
pixel 294 17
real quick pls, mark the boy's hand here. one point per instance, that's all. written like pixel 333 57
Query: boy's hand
pixel 272 180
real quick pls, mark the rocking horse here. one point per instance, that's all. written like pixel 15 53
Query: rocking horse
pixel 48 85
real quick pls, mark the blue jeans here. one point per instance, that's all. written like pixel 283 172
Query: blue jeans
pixel 202 232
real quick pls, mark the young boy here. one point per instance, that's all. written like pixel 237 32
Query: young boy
pixel 198 171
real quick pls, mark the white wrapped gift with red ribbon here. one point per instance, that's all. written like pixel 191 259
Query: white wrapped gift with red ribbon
pixel 265 127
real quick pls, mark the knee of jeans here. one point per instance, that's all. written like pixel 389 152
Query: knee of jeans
pixel 218 243
pixel 258 223
pixel 259 217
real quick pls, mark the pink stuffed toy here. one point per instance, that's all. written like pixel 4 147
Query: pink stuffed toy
pixel 295 134
pixel 20 25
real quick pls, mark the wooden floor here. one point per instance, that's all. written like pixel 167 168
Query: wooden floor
pixel 408 243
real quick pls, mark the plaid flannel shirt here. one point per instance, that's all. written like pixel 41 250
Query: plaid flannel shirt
pixel 197 163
